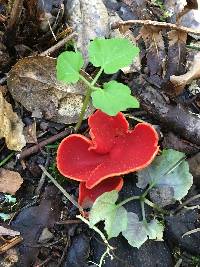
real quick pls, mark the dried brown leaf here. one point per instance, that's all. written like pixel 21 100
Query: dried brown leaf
pixel 194 73
pixel 32 82
pixel 155 51
pixel 30 133
pixel 176 56
pixel 11 126
pixel 10 181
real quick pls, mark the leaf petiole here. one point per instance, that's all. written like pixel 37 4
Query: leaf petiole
pixel 154 206
pixel 128 200
pixel 87 97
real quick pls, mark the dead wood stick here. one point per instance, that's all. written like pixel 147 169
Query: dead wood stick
pixel 165 25
pixel 58 45
pixel 172 116
pixel 13 22
pixel 26 152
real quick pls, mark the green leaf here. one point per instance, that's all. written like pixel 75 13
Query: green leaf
pixel 10 198
pixel 168 170
pixel 68 66
pixel 137 232
pixel 105 209
pixel 113 98
pixel 112 54
pixel 155 230
pixel 5 217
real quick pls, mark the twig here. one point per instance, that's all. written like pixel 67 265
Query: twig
pixel 13 22
pixel 4 161
pixel 10 243
pixel 58 45
pixel 67 195
pixel 15 14
pixel 186 203
pixel 42 264
pixel 109 248
pixel 34 149
pixel 191 232
pixel 165 25
pixel 42 179
pixel 69 222
pixel 63 254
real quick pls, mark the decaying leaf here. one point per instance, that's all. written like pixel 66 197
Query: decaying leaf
pixel 155 51
pixel 32 82
pixel 31 221
pixel 89 19
pixel 10 181
pixel 11 126
pixel 194 73
pixel 30 133
pixel 176 53
pixel 184 12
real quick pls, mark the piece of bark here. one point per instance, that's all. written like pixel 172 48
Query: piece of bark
pixel 173 116
pixel 174 142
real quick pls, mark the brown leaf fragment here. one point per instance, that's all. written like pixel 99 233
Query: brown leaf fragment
pixel 11 126
pixel 32 82
pixel 155 51
pixel 31 221
pixel 176 56
pixel 6 231
pixel 10 181
pixel 194 73
pixel 30 133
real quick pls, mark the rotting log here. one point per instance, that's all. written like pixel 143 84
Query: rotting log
pixel 173 116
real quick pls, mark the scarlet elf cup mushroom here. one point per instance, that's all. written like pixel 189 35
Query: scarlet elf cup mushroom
pixel 113 150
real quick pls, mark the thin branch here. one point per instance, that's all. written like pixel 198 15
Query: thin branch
pixel 67 195
pixel 58 45
pixel 164 25
pixel 26 152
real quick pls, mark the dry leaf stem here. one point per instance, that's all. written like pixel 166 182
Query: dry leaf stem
pixel 154 23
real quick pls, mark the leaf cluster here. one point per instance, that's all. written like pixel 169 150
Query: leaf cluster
pixel 110 55
pixel 170 169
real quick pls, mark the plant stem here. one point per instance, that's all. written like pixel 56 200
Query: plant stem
pixel 128 200
pixel 6 159
pixel 83 109
pixel 67 195
pixel 87 97
pixel 134 118
pixel 154 206
pixel 147 190
pixel 108 246
pixel 96 230
pixel 143 210
pixel 97 76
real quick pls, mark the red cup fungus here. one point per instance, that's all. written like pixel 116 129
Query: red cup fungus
pixel 113 150
pixel 88 196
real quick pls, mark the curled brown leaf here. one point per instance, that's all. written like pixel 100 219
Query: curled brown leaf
pixel 194 73
pixel 11 126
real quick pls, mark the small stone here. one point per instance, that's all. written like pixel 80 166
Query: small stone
pixel 45 236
